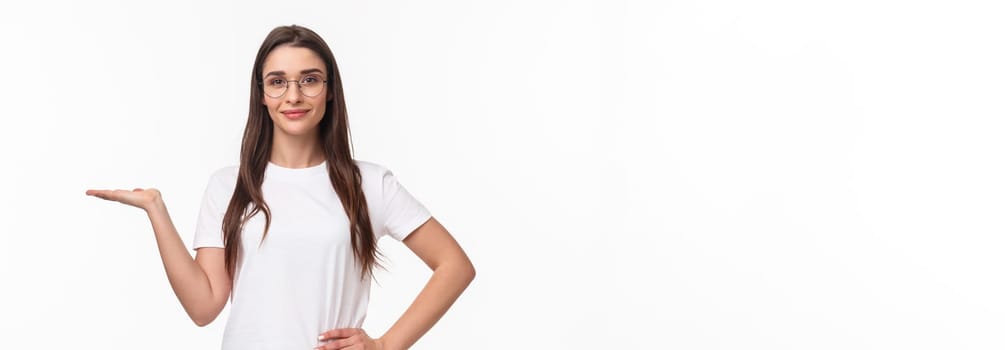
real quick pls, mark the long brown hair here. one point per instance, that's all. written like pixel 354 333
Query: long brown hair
pixel 256 147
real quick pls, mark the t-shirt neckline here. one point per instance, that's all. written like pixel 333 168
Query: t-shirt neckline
pixel 274 170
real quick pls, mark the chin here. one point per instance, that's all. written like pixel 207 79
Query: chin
pixel 298 130
pixel 295 128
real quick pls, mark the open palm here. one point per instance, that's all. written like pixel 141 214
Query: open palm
pixel 140 198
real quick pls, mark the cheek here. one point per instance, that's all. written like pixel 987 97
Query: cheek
pixel 271 106
pixel 270 111
pixel 320 107
pixel 270 103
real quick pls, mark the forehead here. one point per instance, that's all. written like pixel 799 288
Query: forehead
pixel 292 60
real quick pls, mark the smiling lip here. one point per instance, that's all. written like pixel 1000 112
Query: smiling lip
pixel 294 113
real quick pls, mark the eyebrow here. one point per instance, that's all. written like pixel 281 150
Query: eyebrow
pixel 303 72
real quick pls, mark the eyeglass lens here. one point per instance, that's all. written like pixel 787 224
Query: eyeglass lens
pixel 310 85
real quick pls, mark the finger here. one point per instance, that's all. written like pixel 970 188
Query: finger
pixel 339 333
pixel 343 344
pixel 112 195
pixel 103 194
pixel 332 345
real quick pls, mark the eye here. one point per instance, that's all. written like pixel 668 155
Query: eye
pixel 276 82
pixel 310 79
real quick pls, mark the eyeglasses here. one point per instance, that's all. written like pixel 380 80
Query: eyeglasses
pixel 310 85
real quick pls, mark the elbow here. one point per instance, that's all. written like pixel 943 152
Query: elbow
pixel 468 272
pixel 203 314
pixel 202 319
pixel 460 271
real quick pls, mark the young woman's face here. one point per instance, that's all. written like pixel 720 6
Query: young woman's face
pixel 295 112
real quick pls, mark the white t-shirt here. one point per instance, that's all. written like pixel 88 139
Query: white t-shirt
pixel 303 279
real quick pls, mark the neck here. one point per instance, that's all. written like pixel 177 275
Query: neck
pixel 296 152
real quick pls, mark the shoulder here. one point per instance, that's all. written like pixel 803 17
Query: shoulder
pixel 373 176
pixel 370 171
pixel 230 170
pixel 367 167
pixel 225 177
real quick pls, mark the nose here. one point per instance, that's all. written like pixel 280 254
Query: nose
pixel 293 95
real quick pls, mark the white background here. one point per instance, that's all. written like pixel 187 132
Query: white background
pixel 658 175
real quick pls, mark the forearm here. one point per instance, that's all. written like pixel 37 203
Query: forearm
pixel 187 279
pixel 443 288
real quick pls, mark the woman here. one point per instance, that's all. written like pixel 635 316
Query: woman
pixel 290 234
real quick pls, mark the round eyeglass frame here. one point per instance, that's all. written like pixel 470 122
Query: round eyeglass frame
pixel 286 87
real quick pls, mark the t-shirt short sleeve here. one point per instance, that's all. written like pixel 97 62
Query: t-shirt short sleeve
pixel 209 225
pixel 395 212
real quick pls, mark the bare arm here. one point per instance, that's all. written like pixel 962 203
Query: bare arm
pixel 202 285
pixel 452 272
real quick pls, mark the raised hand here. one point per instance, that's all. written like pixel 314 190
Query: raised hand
pixel 348 339
pixel 140 198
